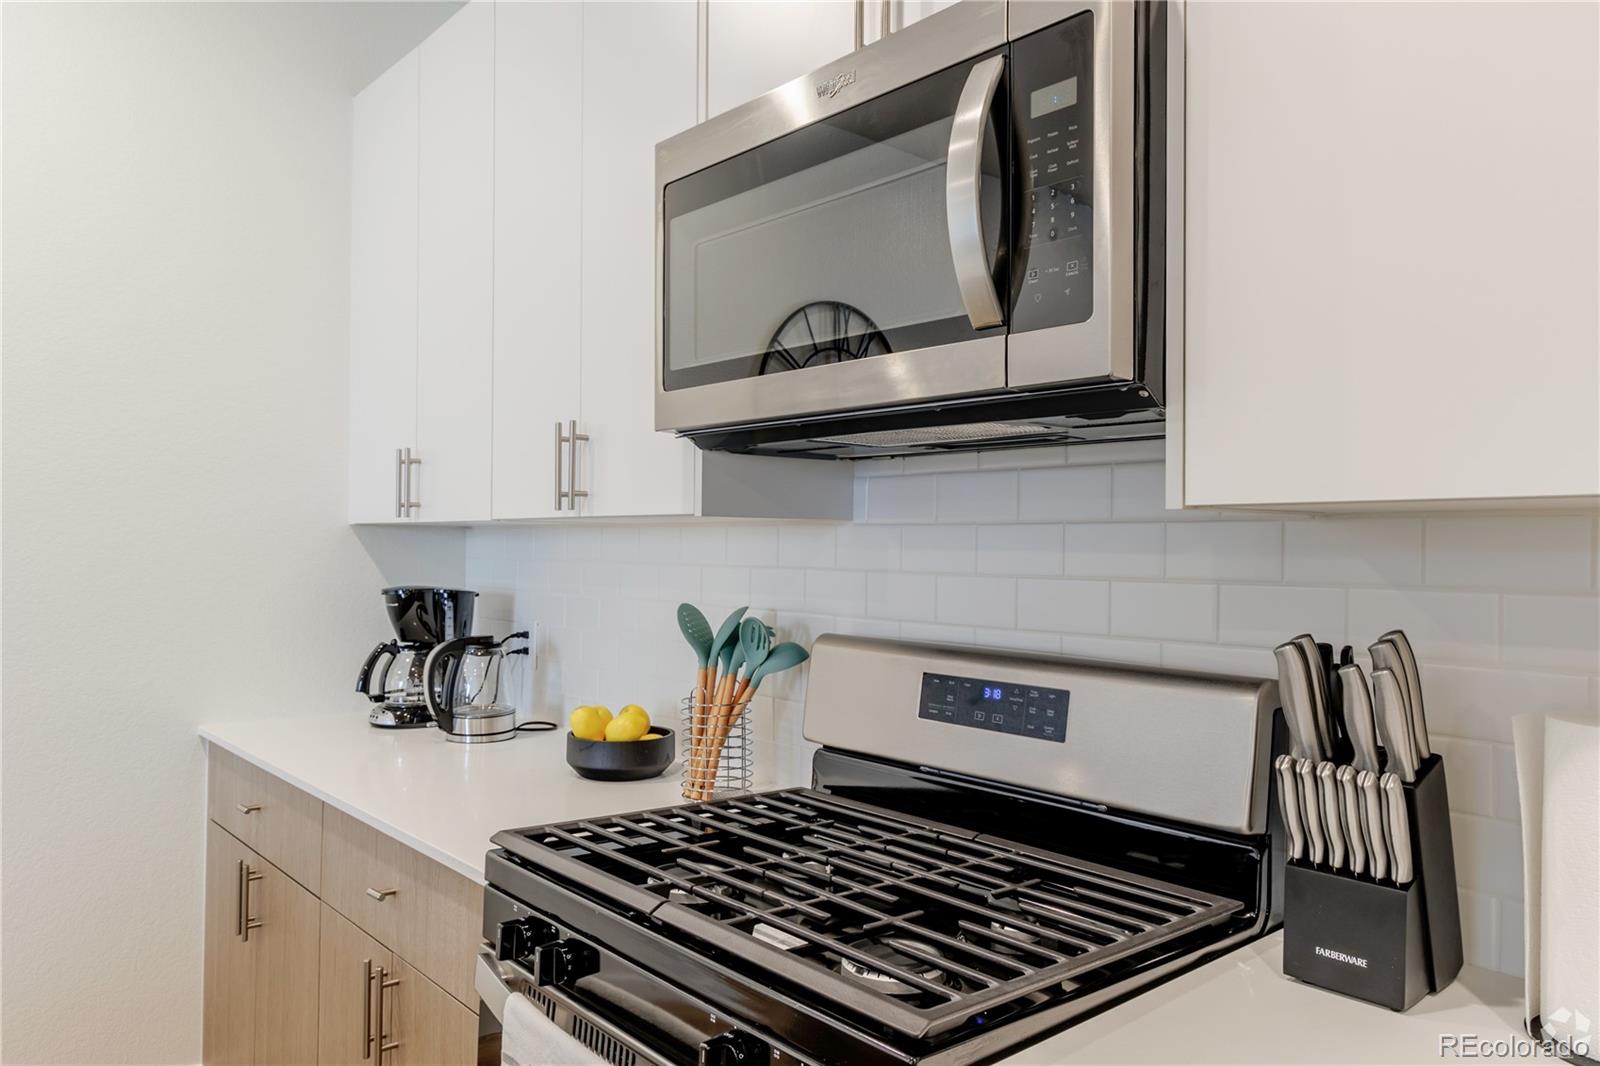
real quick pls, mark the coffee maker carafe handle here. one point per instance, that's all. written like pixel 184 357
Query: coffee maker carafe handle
pixel 446 659
pixel 364 679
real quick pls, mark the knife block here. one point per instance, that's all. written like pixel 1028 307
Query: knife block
pixel 1385 944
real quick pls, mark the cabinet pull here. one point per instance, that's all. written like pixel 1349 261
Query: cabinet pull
pixel 366 1009
pixel 247 920
pixel 384 1043
pixel 861 23
pixel 560 440
pixel 248 808
pixel 381 894
pixel 238 899
pixel 573 491
pixel 399 483
pixel 407 504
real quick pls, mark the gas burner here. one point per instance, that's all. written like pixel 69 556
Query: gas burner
pixel 890 951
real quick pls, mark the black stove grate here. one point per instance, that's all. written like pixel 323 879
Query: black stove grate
pixel 920 926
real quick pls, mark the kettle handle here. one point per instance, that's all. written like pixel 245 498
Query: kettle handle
pixel 438 657
pixel 364 679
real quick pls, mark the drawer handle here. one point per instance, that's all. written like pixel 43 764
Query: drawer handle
pixel 248 808
pixel 381 894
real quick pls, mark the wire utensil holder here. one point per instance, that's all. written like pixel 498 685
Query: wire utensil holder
pixel 718 760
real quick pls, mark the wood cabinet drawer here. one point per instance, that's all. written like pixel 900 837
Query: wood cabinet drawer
pixel 427 914
pixel 278 821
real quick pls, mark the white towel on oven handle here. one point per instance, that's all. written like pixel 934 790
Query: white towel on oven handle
pixel 529 1038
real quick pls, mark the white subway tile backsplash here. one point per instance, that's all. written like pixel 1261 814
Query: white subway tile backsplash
pixel 902 499
pixel 987 496
pixel 1022 550
pixel 806 544
pixel 1267 615
pixel 864 547
pixel 1444 626
pixel 1064 495
pixel 910 597
pixel 1354 551
pixel 1115 549
pixel 1547 553
pixel 978 601
pixel 1064 606
pixel 1164 611
pixel 939 549
pixel 1225 551
pixel 1073 551
pixel 1557 632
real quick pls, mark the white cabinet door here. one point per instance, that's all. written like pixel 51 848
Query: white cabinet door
pixel 1390 253
pixel 753 48
pixel 639 87
pixel 538 73
pixel 383 288
pixel 455 322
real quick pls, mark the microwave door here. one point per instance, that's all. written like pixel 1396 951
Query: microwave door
pixel 850 264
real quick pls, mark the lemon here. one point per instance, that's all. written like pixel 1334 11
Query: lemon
pixel 634 708
pixel 627 727
pixel 587 723
pixel 603 711
pixel 652 736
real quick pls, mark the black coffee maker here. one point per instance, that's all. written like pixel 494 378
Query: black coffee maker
pixel 393 675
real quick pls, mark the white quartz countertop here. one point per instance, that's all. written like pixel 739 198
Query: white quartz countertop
pixel 446 800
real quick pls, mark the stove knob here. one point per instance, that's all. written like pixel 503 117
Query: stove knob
pixel 734 1048
pixel 516 939
pixel 564 962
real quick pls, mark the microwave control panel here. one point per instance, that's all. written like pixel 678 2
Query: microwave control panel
pixel 1053 104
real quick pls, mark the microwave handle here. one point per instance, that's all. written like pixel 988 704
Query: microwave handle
pixel 962 192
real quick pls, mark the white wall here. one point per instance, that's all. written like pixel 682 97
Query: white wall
pixel 175 549
pixel 1029 550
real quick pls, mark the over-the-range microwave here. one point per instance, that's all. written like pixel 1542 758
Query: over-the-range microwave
pixel 961 236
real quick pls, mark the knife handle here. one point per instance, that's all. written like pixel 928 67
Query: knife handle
pixel 1328 797
pixel 1350 797
pixel 1289 805
pixel 1358 720
pixel 1394 722
pixel 1413 680
pixel 1320 709
pixel 1310 808
pixel 1372 819
pixel 1398 824
pixel 1294 687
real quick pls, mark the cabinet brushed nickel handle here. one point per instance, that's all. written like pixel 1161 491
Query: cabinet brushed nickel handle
pixel 384 1043
pixel 861 23
pixel 250 922
pixel 884 26
pixel 366 1008
pixel 399 483
pixel 408 504
pixel 238 899
pixel 248 808
pixel 573 492
pixel 561 438
pixel 381 894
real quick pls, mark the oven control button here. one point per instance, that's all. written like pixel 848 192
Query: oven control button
pixel 564 962
pixel 516 939
pixel 733 1048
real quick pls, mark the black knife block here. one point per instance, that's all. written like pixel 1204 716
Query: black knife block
pixel 1385 944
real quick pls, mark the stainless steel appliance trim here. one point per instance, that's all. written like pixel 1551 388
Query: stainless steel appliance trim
pixel 949 370
pixel 493 979
pixel 560 439
pixel 1102 347
pixel 963 183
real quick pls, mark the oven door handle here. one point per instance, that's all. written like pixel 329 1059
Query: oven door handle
pixel 963 194
pixel 491 979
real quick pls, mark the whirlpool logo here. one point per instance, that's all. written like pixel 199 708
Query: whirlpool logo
pixel 836 84
pixel 1339 956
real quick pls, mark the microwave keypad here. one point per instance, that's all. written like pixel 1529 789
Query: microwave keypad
pixel 1053 71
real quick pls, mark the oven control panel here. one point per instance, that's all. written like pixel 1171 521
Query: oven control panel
pixel 1053 106
pixel 998 706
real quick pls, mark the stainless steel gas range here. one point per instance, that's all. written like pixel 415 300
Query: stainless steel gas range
pixel 994 846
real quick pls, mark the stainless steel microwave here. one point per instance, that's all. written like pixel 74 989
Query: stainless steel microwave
pixel 961 236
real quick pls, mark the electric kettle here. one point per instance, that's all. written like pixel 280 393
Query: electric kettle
pixel 462 688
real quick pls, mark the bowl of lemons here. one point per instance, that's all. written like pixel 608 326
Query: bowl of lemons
pixel 621 747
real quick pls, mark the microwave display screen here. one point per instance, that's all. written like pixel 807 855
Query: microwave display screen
pixel 1053 97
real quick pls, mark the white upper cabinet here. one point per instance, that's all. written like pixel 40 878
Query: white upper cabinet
pixel 1391 260
pixel 639 87
pixel 752 48
pixel 383 290
pixel 455 268
pixel 538 124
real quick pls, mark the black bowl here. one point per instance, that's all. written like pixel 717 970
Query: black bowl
pixel 620 760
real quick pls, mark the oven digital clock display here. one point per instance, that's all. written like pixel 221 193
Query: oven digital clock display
pixel 999 707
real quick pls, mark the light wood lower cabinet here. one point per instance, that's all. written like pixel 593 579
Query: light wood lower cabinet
pixel 261 959
pixel 428 1026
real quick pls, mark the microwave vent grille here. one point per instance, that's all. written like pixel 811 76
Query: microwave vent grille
pixel 934 435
